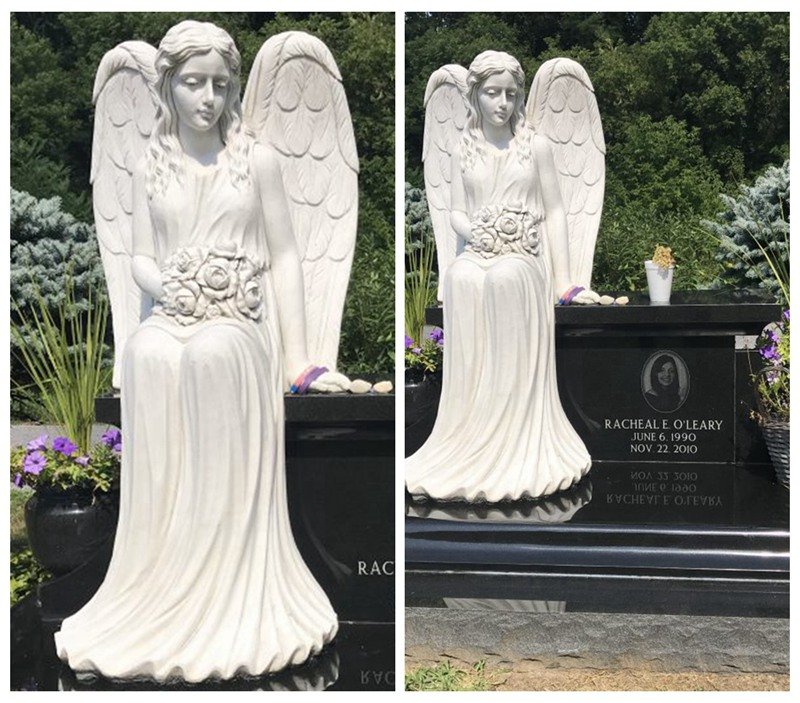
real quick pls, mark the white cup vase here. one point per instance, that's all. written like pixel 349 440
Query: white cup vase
pixel 659 282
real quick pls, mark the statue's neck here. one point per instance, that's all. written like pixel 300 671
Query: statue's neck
pixel 203 147
pixel 499 136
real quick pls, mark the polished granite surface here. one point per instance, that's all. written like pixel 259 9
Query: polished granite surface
pixel 651 538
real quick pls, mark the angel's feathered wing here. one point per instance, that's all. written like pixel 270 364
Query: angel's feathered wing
pixel 562 106
pixel 295 102
pixel 445 115
pixel 125 112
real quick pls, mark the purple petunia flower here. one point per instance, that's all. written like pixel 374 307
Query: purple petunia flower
pixel 770 353
pixel 18 480
pixel 786 314
pixel 64 446
pixel 82 460
pixel 437 335
pixel 409 342
pixel 112 438
pixel 34 463
pixel 37 444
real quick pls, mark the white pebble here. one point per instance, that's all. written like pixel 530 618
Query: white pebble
pixel 622 300
pixel 383 387
pixel 606 300
pixel 359 385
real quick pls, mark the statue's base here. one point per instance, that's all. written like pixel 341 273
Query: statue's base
pixel 655 538
pixel 340 484
pixel 361 658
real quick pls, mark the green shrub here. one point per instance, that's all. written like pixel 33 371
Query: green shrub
pixel 753 235
pixel 64 356
pixel 629 235
pixel 420 269
pixel 49 247
pixel 367 341
pixel 26 574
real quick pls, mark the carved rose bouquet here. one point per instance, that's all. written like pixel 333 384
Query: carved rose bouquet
pixel 206 283
pixel 504 229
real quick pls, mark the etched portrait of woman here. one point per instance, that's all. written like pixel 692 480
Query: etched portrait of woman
pixel 665 381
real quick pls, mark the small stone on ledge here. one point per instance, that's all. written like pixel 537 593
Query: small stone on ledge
pixel 383 387
pixel 622 300
pixel 359 385
pixel 606 300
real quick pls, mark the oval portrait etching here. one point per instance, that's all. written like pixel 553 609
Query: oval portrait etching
pixel 665 381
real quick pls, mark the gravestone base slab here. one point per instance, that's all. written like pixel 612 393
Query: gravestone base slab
pixel 603 641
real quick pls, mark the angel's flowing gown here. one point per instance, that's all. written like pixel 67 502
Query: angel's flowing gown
pixel 205 579
pixel 500 433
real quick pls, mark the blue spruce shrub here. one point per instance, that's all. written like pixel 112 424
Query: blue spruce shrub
pixel 754 230
pixel 48 246
pixel 418 219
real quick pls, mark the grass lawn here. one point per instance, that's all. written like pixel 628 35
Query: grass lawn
pixel 445 677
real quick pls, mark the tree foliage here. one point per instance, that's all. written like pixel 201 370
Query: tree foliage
pixel 54 57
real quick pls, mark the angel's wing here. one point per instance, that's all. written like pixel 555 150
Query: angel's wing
pixel 295 102
pixel 562 107
pixel 125 110
pixel 445 115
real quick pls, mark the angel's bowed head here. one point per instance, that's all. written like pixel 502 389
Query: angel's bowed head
pixel 164 153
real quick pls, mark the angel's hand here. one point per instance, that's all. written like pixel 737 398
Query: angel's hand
pixel 578 295
pixel 331 382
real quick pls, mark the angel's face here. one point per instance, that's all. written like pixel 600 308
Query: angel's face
pixel 497 96
pixel 200 89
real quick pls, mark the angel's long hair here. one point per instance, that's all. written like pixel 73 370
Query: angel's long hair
pixel 484 65
pixel 164 151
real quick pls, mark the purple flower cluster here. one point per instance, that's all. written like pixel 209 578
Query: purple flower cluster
pixel 410 346
pixel 769 347
pixel 112 438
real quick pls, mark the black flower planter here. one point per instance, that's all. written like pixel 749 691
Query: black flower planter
pixel 65 529
pixel 422 404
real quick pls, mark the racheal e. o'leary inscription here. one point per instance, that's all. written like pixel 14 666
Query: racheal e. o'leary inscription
pixel 665 383
pixel 642 400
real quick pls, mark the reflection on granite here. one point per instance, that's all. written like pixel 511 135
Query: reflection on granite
pixel 317 674
pixel 647 494
pixel 559 507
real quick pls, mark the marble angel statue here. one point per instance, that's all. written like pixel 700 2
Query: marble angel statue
pixel 206 580
pixel 515 198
